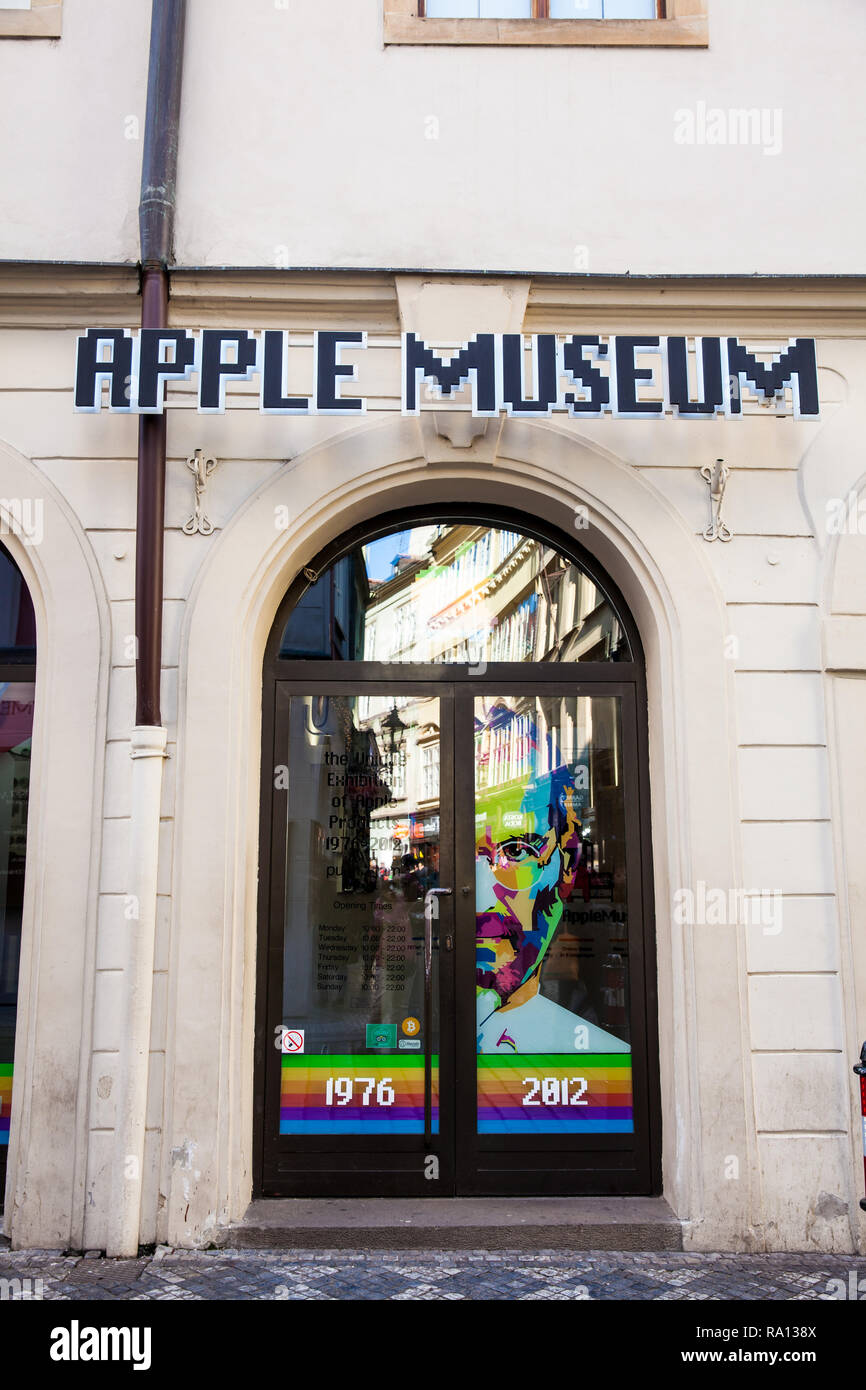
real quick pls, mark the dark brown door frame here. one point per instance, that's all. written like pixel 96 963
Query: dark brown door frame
pixel 604 1163
pixel 360 1165
pixel 622 677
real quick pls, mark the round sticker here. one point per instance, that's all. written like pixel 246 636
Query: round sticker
pixel 410 1027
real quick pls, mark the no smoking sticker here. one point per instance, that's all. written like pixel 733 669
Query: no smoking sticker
pixel 292 1040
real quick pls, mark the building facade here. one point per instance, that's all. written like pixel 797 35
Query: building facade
pixel 615 643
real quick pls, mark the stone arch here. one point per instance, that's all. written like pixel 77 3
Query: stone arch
pixel 542 470
pixel 48 1138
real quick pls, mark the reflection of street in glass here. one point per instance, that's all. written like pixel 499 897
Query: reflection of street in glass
pixel 528 853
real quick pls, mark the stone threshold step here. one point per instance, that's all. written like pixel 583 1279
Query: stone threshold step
pixel 457 1223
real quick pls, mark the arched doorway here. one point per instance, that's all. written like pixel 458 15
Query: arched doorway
pixel 456 984
pixel 17 695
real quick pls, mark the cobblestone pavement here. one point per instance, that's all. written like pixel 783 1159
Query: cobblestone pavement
pixel 429 1274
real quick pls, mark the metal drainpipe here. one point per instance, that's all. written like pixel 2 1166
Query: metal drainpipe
pixel 147 745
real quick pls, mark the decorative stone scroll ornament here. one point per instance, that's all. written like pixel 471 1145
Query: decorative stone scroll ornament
pixel 716 477
pixel 201 467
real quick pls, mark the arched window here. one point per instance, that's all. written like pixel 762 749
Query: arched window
pixel 454 593
pixel 17 692
pixel 457 953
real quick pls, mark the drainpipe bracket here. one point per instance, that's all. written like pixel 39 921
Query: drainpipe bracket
pixel 148 741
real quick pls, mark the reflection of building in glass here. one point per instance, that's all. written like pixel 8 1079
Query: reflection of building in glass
pixel 467 594
pixel 328 620
pixel 531 753
pixel 472 594
pixel 404 835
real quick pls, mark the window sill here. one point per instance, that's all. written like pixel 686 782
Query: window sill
pixel 691 32
pixel 41 21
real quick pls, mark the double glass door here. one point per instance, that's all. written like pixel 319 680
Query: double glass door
pixel 454 994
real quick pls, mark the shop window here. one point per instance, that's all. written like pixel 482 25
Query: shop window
pixel 17 694
pixel 30 19
pixel 663 23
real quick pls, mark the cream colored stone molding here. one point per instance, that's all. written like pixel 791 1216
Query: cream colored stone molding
pixel 811 306
pixel 41 21
pixel 815 306
pixel 365 472
pixel 68 296
pixel 48 1141
pixel 305 299
pixel 685 26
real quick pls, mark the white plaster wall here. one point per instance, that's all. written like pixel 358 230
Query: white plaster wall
pixel 543 159
pixel 753 779
pixel 304 141
pixel 70 148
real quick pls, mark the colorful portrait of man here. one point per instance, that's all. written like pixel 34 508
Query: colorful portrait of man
pixel 527 859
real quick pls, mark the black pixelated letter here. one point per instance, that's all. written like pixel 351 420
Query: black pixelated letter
pixel 476 362
pixel 273 377
pixel 711 395
pixel 214 371
pixel 796 368
pixel 153 373
pixel 329 371
pixel 628 374
pixel 91 372
pixel 584 374
pixel 544 353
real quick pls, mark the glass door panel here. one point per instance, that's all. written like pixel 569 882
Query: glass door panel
pixel 550 942
pixel 457 981
pixel 356 908
pixel 550 914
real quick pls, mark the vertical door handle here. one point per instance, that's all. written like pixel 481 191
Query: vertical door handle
pixel 429 902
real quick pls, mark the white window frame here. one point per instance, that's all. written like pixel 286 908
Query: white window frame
pixel 430 764
pixel 397 776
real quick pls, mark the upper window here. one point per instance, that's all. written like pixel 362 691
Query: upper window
pixel 457 594
pixel 30 19
pixel 673 23
pixel 538 9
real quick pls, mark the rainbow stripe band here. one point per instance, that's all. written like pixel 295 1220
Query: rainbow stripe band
pixel 366 1095
pixel 5 1100
pixel 548 1093
pixel 532 1093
